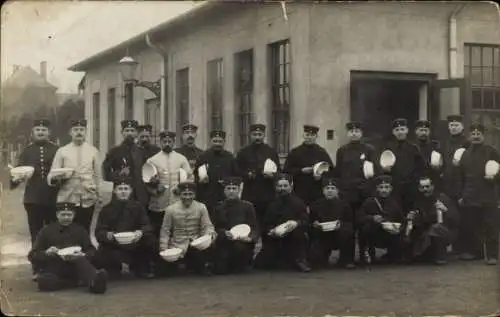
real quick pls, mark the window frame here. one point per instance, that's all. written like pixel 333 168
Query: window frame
pixel 182 90
pixel 244 92
pixel 215 94
pixel 96 119
pixel 111 99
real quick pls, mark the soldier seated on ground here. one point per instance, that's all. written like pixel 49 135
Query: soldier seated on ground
pixel 323 240
pixel 124 215
pixel 185 221
pixel 59 270
pixel 376 218
pixel 287 246
pixel 435 224
pixel 234 253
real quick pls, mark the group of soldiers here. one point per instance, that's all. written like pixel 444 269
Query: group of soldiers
pixel 413 208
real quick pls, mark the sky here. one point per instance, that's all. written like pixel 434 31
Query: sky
pixel 63 33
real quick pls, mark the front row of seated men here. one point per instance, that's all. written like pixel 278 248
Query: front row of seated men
pixel 423 234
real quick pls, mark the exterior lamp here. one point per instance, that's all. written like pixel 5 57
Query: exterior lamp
pixel 128 66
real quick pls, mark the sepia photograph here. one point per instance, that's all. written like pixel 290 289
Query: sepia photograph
pixel 232 158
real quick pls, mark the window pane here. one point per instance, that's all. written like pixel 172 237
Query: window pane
pixel 487 56
pixel 497 57
pixel 475 77
pixel 497 101
pixel 476 56
pixel 466 55
pixel 476 98
pixel 488 95
pixel 496 76
pixel 488 76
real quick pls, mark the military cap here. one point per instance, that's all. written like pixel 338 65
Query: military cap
pixel 283 176
pixel 79 123
pixel 145 127
pixel 422 124
pixel 41 123
pixel 455 118
pixel 258 127
pixel 129 124
pixel 329 181
pixel 191 186
pixel 65 206
pixel 311 129
pixel 234 181
pixel 353 125
pixel 189 127
pixel 218 133
pixel 122 180
pixel 476 126
pixel 167 134
pixel 383 179
pixel 399 122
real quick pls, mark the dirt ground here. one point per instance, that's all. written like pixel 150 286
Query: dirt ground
pixel 463 289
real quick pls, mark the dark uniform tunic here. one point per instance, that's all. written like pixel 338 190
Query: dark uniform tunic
pixel 372 234
pixel 192 153
pixel 304 185
pixel 322 243
pixel 133 157
pixel 428 237
pixel 123 216
pixel 56 273
pixel 292 248
pixel 233 255
pixel 480 201
pixel 259 190
pixel 426 148
pixel 409 165
pixel 221 165
pixel 39 198
pixel 150 150
pixel 451 173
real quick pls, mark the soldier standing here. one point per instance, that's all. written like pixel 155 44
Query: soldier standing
pixel 189 148
pixel 144 136
pixel 426 147
pixel 39 198
pixel 258 188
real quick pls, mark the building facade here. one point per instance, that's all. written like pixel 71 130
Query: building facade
pixel 227 65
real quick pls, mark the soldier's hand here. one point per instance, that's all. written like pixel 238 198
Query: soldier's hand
pixel 251 175
pixel 461 201
pixel 51 250
pixel 441 206
pixel 307 170
pixel 138 235
pixel 125 171
pixel 110 236
pixel 272 233
pixel 246 239
pixel 378 218
pixel 489 177
pixel 316 224
pixel 229 235
pixel 204 181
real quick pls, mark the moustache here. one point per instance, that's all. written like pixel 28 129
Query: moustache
pixel 79 135
pixel 190 138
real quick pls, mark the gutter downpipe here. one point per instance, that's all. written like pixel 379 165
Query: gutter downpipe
pixel 163 78
pixel 452 47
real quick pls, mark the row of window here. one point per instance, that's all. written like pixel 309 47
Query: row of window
pixel 280 74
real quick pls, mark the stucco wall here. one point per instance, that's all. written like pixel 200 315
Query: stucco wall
pixel 327 41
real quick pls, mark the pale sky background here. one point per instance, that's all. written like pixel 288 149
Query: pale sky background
pixel 77 30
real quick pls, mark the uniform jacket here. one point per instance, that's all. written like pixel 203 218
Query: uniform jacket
pixel 130 156
pixel 388 208
pixel 474 188
pixel 232 212
pixel 39 155
pixel 168 166
pixel 181 225
pixel 60 237
pixel 324 210
pixel 82 188
pixel 284 208
pixel 349 160
pixel 451 173
pixel 305 186
pixel 121 216
pixel 409 161
pixel 150 150
pixel 251 159
pixel 192 153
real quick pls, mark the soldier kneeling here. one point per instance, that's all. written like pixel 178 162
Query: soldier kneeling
pixel 125 215
pixel 381 220
pixel 60 266
pixel 434 224
pixel 332 228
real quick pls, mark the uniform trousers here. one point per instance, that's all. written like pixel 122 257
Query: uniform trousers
pixel 372 236
pixel 478 225
pixel 232 255
pixel 323 243
pixel 38 217
pixel 279 251
pixel 83 216
pixel 194 260
pixel 260 211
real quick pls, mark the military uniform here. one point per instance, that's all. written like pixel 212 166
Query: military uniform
pixel 39 198
pixel 233 255
pixel 56 273
pixel 191 152
pixel 322 243
pixel 306 155
pixel 257 188
pixel 221 164
pixel 148 148
pixel 127 156
pixel 426 147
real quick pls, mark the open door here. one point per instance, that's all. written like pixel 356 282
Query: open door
pixel 449 96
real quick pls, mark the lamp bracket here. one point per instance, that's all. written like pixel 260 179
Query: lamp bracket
pixel 153 86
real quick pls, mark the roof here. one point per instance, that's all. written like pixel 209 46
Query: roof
pixel 27 77
pixel 138 42
pixel 63 97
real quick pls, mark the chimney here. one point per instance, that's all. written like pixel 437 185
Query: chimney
pixel 43 69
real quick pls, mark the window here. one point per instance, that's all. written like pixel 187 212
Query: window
pixel 111 117
pixel 129 101
pixel 482 67
pixel 215 77
pixel 182 98
pixel 280 66
pixel 243 94
pixel 152 116
pixel 96 119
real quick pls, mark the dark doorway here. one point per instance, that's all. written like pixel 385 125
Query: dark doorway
pixel 376 100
